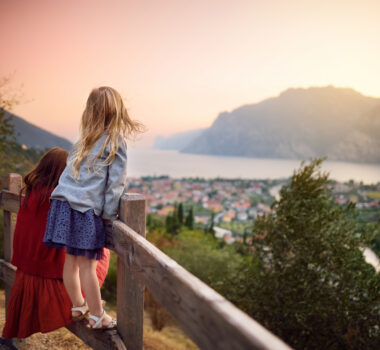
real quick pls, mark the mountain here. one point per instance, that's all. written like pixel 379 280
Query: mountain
pixel 177 141
pixel 34 137
pixel 300 123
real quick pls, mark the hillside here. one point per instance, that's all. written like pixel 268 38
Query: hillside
pixel 34 137
pixel 298 124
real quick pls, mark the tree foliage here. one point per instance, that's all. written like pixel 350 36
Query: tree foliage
pixel 221 268
pixel 7 132
pixel 174 221
pixel 180 214
pixel 13 158
pixel 189 221
pixel 314 289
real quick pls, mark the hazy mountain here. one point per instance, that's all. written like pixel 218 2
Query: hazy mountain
pixel 298 124
pixel 177 141
pixel 33 136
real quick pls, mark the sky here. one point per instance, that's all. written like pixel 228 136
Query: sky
pixel 179 63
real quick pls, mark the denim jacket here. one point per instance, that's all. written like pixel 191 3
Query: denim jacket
pixel 99 190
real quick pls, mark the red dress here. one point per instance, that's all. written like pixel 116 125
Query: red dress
pixel 38 300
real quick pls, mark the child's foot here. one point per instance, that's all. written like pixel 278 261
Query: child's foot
pixel 79 312
pixel 104 321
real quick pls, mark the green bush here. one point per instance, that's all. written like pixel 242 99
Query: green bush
pixel 221 268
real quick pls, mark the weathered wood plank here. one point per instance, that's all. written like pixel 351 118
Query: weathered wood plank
pixel 98 340
pixel 130 291
pixel 7 272
pixel 12 183
pixel 9 201
pixel 209 319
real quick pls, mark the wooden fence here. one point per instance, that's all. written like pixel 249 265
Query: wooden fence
pixel 209 320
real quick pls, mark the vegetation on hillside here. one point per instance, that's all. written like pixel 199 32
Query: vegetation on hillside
pixel 13 157
pixel 303 277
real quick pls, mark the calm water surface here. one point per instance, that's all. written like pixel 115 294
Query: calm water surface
pixel 143 162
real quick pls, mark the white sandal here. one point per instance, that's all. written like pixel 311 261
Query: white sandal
pixel 98 325
pixel 83 312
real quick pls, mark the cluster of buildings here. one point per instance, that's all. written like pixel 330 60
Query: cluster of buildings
pixel 224 201
pixel 364 196
pixel 229 202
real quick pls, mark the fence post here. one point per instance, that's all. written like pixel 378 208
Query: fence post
pixel 130 292
pixel 12 183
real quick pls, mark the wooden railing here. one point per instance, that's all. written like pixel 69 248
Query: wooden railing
pixel 209 320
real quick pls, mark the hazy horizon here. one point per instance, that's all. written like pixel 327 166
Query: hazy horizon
pixel 150 142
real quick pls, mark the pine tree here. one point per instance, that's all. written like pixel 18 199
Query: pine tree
pixel 172 224
pixel 190 219
pixel 180 214
pixel 211 225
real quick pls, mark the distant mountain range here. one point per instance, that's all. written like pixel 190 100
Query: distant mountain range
pixel 300 123
pixel 34 137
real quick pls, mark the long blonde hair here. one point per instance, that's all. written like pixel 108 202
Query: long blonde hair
pixel 105 113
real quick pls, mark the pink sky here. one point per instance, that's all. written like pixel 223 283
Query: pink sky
pixel 179 63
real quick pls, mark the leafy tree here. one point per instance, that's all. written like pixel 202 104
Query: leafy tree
pixel 314 289
pixel 7 132
pixel 13 158
pixel 222 269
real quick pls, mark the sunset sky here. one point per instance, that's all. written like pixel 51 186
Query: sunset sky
pixel 178 63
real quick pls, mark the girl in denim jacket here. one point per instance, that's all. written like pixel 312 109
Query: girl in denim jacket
pixel 89 192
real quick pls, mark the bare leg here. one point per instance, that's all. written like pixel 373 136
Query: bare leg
pixel 90 285
pixel 72 282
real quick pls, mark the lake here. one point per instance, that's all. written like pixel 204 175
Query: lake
pixel 142 162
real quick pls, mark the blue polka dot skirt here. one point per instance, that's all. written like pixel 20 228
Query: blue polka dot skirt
pixel 82 234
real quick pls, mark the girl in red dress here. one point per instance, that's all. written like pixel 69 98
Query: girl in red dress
pixel 38 300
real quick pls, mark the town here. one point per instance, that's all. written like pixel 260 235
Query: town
pixel 234 204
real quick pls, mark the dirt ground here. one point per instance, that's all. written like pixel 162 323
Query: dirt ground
pixel 170 338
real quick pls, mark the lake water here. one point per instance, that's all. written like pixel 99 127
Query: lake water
pixel 143 162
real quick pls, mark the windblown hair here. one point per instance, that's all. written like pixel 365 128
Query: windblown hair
pixel 44 177
pixel 105 113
